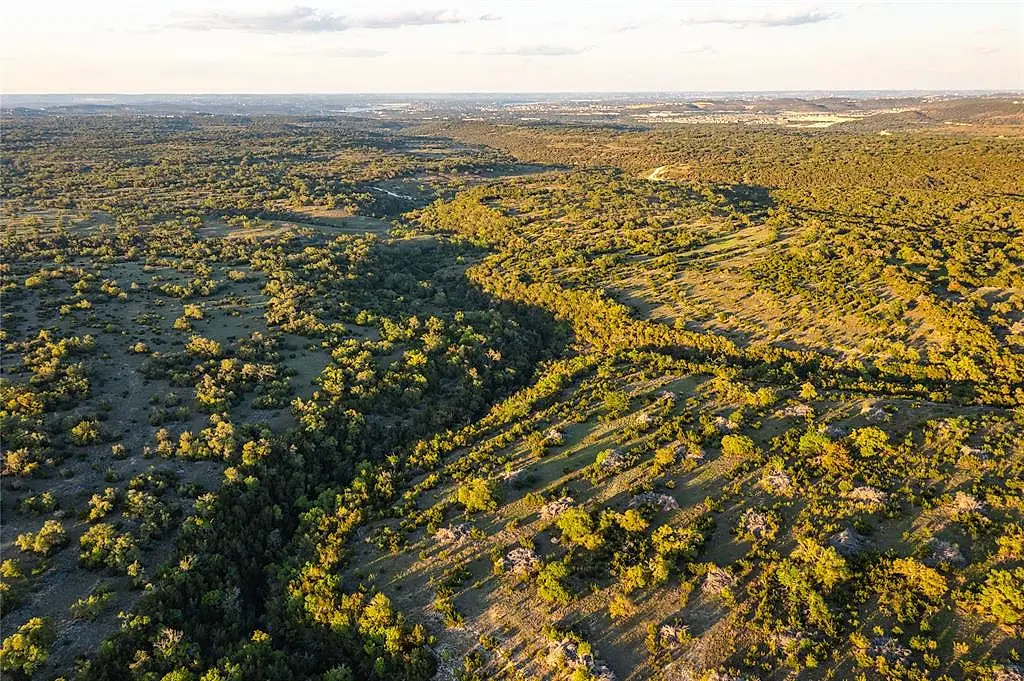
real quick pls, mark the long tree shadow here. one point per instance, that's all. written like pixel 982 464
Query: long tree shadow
pixel 752 200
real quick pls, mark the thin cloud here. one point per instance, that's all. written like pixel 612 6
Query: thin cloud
pixel 353 53
pixel 626 27
pixel 304 19
pixel 295 20
pixel 767 20
pixel 537 51
pixel 417 18
pixel 993 30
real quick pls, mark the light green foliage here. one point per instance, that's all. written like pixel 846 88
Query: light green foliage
pixel 620 607
pixel 193 312
pixel 632 521
pixel 47 540
pixel 921 578
pixel 616 402
pixel 738 445
pixel 1011 543
pixel 578 528
pixel 102 546
pixel 203 347
pixel 45 502
pixel 28 648
pixel 90 607
pixel 100 504
pixel 85 432
pixel 9 569
pixel 1002 596
pixel 676 543
pixel 478 494
pixel 824 563
pixel 808 391
pixel 870 441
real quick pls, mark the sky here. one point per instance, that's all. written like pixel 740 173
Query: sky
pixel 335 46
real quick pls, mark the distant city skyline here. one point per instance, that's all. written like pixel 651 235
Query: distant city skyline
pixel 392 46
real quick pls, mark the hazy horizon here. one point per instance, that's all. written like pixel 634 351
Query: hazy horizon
pixel 510 93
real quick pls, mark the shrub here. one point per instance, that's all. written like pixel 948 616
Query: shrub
pixel 46 541
pixel 871 441
pixel 578 528
pixel 825 564
pixel 443 604
pixel 478 494
pixel 91 606
pixel 549 583
pixel 9 569
pixel 39 503
pixel 620 607
pixel 85 432
pixel 203 347
pixel 100 504
pixel 616 402
pixel 27 649
pixel 103 547
pixel 738 446
pixel 1011 543
pixel 1002 596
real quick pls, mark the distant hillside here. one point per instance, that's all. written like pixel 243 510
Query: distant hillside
pixel 980 111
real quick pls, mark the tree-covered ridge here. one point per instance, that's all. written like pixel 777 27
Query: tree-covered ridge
pixel 926 282
pixel 980 163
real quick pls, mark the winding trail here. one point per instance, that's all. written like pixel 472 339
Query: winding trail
pixel 390 193
pixel 656 174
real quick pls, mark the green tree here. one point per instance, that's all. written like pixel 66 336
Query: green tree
pixel 616 402
pixel 578 528
pixel 27 649
pixel 478 494
pixel 549 583
pixel 1002 596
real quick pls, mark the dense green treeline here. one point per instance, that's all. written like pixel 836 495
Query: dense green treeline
pixel 983 166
